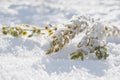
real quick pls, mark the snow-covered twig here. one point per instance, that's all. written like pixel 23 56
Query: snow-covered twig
pixel 93 42
pixel 71 28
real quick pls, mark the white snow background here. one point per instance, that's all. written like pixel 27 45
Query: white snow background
pixel 24 59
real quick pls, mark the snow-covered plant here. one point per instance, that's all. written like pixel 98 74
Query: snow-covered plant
pixel 21 30
pixel 26 30
pixel 94 41
pixel 73 27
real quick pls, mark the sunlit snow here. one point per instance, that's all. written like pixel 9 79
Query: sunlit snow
pixel 25 59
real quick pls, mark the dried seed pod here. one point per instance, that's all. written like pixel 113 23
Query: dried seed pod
pixel 26 25
pixel 69 27
pixel 64 32
pixel 99 55
pixel 18 28
pixel 38 31
pixel 88 42
pixel 14 33
pixel 4 32
pixel 106 28
pixel 49 51
pixel 24 33
pixel 46 28
pixel 55 28
pixel 30 35
pixel 71 34
pixel 101 52
pixel 54 42
pixel 56 48
pixel 75 27
pixel 34 29
pixel 77 55
pixel 4 28
pixel 65 40
pixel 55 38
pixel 50 31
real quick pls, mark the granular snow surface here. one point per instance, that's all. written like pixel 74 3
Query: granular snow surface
pixel 25 59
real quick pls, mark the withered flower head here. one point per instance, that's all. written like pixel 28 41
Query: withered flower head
pixel 46 27
pixel 4 28
pixel 38 31
pixel 24 33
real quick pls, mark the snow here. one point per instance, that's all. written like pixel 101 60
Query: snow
pixel 25 59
